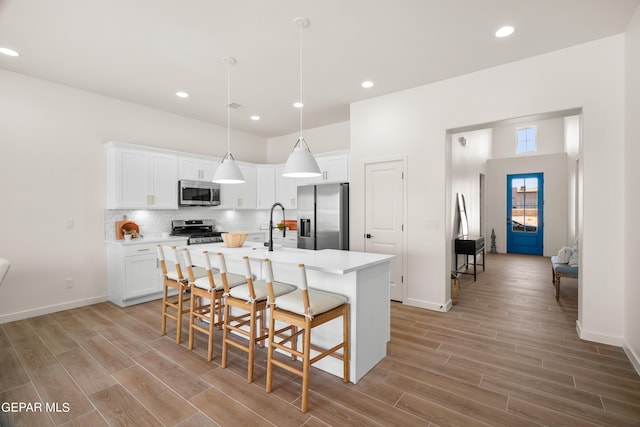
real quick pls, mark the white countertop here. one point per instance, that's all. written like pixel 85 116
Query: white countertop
pixel 150 239
pixel 328 260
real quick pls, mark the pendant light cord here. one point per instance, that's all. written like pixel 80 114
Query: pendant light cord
pixel 228 108
pixel 301 24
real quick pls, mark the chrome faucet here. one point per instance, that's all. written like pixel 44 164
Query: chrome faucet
pixel 284 229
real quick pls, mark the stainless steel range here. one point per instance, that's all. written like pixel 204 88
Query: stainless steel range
pixel 198 230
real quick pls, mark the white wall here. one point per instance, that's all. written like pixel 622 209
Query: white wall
pixel 572 148
pixel 322 139
pixel 53 168
pixel 554 168
pixel 467 163
pixel 549 138
pixel 631 200
pixel 414 123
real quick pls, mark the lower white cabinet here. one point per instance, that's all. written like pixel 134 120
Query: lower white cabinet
pixel 258 237
pixel 289 241
pixel 133 272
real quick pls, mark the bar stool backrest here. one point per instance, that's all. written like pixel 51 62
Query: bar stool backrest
pixel 168 256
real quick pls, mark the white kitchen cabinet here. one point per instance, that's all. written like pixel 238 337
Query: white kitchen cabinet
pixel 289 241
pixel 258 237
pixel 334 168
pixel 266 186
pixel 133 272
pixel 240 196
pixel 197 168
pixel 286 189
pixel 141 179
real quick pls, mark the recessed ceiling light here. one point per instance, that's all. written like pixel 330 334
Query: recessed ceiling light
pixel 8 52
pixel 298 104
pixel 182 94
pixel 505 31
pixel 367 84
pixel 254 117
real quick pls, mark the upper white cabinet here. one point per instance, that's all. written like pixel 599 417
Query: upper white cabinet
pixel 266 186
pixel 334 168
pixel 141 179
pixel 287 189
pixel 197 168
pixel 240 196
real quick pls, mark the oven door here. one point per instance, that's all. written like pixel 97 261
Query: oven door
pixel 198 193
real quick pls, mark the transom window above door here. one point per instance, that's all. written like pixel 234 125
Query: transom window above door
pixel 526 140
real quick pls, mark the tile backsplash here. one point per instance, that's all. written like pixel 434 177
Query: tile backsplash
pixel 155 222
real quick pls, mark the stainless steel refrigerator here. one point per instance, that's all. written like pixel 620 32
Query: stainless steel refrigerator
pixel 323 216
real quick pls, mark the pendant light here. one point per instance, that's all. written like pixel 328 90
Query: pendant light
pixel 228 171
pixel 301 163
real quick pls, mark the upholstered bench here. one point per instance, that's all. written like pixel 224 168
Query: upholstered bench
pixel 559 270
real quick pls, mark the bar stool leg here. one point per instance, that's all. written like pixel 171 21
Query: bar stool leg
pixel 179 320
pixel 163 328
pixel 252 343
pixel 225 335
pixel 306 366
pixel 192 319
pixel 212 325
pixel 272 327
pixel 345 339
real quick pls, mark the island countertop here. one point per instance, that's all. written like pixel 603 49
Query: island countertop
pixel 327 260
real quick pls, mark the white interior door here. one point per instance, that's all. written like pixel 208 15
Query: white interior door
pixel 384 213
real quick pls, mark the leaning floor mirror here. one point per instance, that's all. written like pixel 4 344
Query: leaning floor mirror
pixel 463 224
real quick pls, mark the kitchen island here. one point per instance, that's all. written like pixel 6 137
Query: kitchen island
pixel 362 277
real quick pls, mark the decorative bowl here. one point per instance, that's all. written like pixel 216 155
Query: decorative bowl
pixel 234 240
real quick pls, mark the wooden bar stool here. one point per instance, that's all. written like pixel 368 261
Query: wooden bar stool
pixel 206 299
pixel 174 308
pixel 302 311
pixel 250 300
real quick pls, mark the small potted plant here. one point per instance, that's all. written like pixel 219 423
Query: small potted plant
pixel 129 234
pixel 455 286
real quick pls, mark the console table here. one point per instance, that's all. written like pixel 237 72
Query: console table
pixel 469 245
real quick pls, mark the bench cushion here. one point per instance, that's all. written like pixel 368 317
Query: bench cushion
pixel 563 268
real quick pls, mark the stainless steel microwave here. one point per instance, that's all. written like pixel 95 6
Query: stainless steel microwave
pixel 198 193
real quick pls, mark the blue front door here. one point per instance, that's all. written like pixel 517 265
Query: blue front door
pixel 525 213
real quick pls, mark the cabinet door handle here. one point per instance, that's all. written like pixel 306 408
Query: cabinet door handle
pixel 143 250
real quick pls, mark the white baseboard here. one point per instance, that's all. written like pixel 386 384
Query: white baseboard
pixel 633 356
pixel 597 337
pixel 428 305
pixel 26 314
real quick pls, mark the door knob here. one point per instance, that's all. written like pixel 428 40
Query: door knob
pixel 368 236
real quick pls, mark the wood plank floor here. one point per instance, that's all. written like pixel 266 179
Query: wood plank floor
pixel 506 355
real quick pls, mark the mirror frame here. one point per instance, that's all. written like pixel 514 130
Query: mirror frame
pixel 463 224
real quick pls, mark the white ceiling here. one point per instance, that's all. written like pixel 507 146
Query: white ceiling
pixel 143 51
